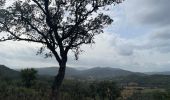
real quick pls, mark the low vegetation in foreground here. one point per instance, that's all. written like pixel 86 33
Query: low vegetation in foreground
pixel 70 90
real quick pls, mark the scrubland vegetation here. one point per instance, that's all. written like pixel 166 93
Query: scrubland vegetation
pixel 70 90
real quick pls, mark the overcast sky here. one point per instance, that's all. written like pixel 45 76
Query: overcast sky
pixel 138 40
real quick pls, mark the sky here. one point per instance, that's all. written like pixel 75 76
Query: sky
pixel 138 40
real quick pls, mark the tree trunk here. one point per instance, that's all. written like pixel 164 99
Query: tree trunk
pixel 58 81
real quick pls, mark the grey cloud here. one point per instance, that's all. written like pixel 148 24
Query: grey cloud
pixel 154 42
pixel 154 13
pixel 159 40
pixel 125 50
pixel 165 49
pixel 149 12
pixel 163 34
pixel 154 45
pixel 160 14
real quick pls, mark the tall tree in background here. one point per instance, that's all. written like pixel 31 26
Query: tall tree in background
pixel 59 25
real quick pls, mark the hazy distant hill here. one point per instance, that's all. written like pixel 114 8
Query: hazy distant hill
pixel 52 71
pixel 118 75
pixel 93 73
pixel 158 73
pixel 99 72
pixel 7 72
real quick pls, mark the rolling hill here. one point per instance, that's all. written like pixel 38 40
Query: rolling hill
pixel 52 71
pixel 7 72
pixel 158 73
pixel 93 73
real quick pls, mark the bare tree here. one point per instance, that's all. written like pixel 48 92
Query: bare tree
pixel 59 25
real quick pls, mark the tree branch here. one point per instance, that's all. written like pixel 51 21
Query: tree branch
pixel 19 38
pixel 39 5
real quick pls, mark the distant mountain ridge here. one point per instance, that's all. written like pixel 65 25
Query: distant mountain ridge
pixel 93 73
pixel 120 76
pixel 158 73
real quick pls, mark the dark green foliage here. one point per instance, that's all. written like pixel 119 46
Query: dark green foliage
pixel 28 77
pixel 158 81
pixel 93 90
pixel 84 90
pixel 154 95
pixel 14 93
pixel 70 90
pixel 107 89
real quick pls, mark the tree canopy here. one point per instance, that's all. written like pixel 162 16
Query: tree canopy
pixel 57 24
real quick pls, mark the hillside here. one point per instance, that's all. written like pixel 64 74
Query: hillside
pixel 158 73
pixel 52 71
pixel 7 72
pixel 100 73
pixel 93 73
